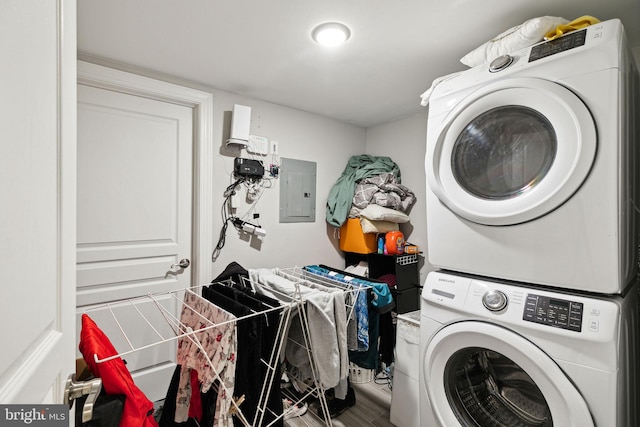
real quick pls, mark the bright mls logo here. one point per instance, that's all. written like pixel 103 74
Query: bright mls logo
pixel 36 415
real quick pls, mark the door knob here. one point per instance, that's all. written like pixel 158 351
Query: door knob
pixel 183 263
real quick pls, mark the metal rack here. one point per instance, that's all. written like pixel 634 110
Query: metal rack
pixel 350 291
pixel 154 324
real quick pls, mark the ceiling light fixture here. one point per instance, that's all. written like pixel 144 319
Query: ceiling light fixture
pixel 331 34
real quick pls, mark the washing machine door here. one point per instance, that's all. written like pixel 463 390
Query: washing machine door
pixel 512 151
pixel 480 374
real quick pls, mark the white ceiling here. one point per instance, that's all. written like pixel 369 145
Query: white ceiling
pixel 262 48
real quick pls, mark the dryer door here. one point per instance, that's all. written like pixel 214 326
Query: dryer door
pixel 480 374
pixel 512 151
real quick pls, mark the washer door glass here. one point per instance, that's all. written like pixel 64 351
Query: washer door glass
pixel 479 374
pixel 486 388
pixel 510 152
pixel 504 152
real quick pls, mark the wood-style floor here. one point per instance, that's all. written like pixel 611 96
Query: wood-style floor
pixel 371 409
pixel 373 402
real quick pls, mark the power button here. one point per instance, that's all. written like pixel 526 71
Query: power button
pixel 500 63
pixel 494 300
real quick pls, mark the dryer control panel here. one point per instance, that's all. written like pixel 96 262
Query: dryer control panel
pixel 556 312
pixel 566 42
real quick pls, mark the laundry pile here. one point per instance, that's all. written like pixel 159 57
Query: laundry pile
pixel 370 189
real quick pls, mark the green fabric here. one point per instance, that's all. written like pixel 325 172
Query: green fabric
pixel 358 167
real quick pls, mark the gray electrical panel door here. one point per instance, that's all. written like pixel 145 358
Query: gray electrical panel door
pixel 297 191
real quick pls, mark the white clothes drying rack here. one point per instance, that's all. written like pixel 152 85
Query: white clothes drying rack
pixel 295 304
pixel 299 276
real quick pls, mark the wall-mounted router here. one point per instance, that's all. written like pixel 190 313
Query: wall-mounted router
pixel 240 126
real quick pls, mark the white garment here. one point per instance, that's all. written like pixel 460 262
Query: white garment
pixel 427 94
pixel 361 269
pixel 327 326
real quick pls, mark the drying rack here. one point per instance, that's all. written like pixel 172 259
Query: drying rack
pixel 158 335
pixel 350 291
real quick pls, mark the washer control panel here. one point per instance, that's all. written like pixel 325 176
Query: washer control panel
pixel 450 297
pixel 556 312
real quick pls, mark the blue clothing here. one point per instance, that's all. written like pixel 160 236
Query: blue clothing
pixel 360 306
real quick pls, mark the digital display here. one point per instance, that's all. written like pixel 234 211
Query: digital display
pixel 554 312
pixel 564 43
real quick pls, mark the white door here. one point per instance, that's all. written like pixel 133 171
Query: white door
pixel 134 214
pixel 512 151
pixel 483 374
pixel 37 211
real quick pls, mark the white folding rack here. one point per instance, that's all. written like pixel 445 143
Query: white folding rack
pixel 299 275
pixel 148 321
pixel 179 330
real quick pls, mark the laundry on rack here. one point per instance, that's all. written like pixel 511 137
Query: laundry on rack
pixel 326 314
pixel 387 341
pixel 256 328
pixel 116 378
pixel 256 339
pixel 379 304
pixel 211 351
pixel 361 319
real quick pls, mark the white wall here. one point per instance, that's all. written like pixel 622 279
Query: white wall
pixel 301 136
pixel 405 142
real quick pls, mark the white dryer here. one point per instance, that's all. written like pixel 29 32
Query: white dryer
pixel 493 354
pixel 532 165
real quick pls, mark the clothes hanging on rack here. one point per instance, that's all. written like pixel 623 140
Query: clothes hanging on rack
pixel 194 332
pixel 340 313
pixel 116 378
pixel 327 325
pixel 235 273
pixel 256 339
pixel 387 342
pixel 213 356
pixel 361 319
pixel 207 402
pixel 383 298
pixel 380 316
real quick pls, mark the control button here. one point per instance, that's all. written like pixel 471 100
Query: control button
pixel 595 312
pixel 500 63
pixel 494 300
pixel 594 325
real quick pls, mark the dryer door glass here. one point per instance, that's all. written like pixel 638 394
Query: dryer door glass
pixel 510 152
pixel 485 388
pixel 503 152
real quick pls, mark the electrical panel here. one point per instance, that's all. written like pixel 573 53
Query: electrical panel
pixel 297 191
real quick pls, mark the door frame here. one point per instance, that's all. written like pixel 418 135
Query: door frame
pixel 202 104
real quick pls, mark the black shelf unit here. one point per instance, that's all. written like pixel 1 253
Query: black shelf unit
pixel 405 267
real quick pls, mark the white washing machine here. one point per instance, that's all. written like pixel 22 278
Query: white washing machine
pixel 496 354
pixel 532 165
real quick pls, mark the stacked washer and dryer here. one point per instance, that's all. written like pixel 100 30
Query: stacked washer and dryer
pixel 532 164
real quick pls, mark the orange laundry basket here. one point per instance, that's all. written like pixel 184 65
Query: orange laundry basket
pixel 352 239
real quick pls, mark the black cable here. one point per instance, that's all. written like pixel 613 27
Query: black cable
pixel 225 224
